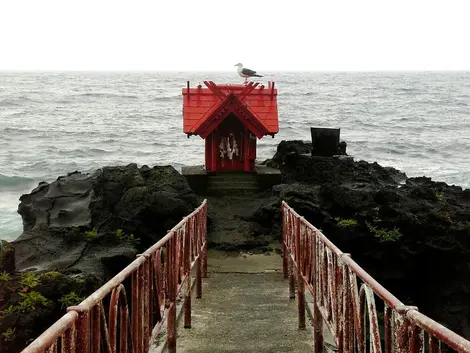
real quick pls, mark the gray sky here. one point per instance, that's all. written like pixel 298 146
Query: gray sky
pixel 216 34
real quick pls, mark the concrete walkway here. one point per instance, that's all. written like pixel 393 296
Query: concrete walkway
pixel 245 308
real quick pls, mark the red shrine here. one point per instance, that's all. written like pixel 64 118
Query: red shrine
pixel 230 118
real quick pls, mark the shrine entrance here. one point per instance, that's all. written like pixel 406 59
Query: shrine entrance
pixel 230 137
pixel 231 146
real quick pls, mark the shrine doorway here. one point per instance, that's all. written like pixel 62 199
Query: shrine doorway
pixel 230 141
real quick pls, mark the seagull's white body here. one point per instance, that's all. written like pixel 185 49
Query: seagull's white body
pixel 240 73
pixel 245 73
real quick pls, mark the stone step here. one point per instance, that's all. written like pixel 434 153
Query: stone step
pixel 233 177
pixel 232 183
pixel 223 183
pixel 231 191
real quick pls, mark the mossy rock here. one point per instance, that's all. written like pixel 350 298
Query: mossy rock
pixel 7 257
pixel 27 312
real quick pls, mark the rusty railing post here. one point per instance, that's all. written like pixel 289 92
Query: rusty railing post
pixel 317 317
pixel 69 340
pixel 172 283
pixel 198 278
pixel 291 261
pixel 188 231
pixel 83 332
pixel 172 328
pixel 285 269
pixel 300 280
pixel 204 237
pixel 134 312
pixel 95 329
pixel 387 328
pixel 199 242
pixel 146 303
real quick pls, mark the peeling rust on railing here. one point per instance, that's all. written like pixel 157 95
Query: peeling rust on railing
pixel 344 298
pixel 108 320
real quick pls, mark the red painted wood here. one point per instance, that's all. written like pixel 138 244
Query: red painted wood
pixel 209 152
pixel 214 155
pixel 246 166
pixel 241 113
pixel 201 105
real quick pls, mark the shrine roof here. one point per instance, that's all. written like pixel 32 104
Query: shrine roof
pixel 204 108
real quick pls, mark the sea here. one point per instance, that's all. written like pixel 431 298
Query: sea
pixel 53 123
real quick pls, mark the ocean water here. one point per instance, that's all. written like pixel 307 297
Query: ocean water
pixel 54 123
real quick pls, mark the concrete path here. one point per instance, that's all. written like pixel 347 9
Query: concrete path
pixel 245 308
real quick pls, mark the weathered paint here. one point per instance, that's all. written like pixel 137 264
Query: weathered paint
pixel 156 280
pixel 332 277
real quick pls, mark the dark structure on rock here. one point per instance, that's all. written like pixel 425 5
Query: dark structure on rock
pixel 326 143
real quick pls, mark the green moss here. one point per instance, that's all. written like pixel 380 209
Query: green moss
pixel 5 248
pixel 9 334
pixel 91 234
pixel 31 300
pixel 70 299
pixel 346 223
pixel 8 311
pixel 49 275
pixel 121 236
pixel 439 196
pixel 29 279
pixel 4 276
pixel 384 234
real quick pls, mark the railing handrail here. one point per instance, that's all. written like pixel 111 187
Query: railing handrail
pixel 383 293
pixel 49 337
pixel 291 257
pixel 71 321
pixel 106 288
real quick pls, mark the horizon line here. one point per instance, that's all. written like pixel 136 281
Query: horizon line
pixel 227 71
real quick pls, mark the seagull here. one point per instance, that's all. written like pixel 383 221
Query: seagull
pixel 244 72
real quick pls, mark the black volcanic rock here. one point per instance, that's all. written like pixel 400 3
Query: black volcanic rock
pixel 288 147
pixel 7 257
pixel 80 231
pixel 112 204
pixel 410 234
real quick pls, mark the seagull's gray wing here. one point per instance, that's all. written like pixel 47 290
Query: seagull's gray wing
pixel 248 72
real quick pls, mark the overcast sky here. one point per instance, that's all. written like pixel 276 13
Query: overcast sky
pixel 216 34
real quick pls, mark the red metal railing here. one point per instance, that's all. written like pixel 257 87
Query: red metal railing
pixel 108 319
pixel 344 298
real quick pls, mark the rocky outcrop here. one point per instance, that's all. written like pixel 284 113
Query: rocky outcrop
pixel 81 222
pixel 286 147
pixel 411 234
pixel 79 231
